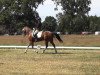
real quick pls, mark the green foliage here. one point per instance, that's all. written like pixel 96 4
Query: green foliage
pixel 49 23
pixel 16 13
pixel 75 15
pixel 94 23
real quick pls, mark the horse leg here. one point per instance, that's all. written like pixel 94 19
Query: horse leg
pixel 46 44
pixel 53 46
pixel 27 47
pixel 33 47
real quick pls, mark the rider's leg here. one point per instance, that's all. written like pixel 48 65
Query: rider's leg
pixel 35 35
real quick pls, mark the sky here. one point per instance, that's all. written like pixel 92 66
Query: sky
pixel 47 9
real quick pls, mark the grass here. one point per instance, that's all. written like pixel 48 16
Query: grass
pixel 69 40
pixel 66 62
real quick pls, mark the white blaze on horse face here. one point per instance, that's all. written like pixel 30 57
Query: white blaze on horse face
pixel 23 29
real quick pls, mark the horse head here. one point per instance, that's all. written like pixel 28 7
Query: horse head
pixel 26 30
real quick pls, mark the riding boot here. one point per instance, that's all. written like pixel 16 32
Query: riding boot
pixel 35 37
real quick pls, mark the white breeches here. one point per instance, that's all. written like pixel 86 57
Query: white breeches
pixel 34 32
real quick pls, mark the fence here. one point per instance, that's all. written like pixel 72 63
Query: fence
pixel 50 47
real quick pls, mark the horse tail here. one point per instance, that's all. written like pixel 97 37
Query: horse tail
pixel 58 37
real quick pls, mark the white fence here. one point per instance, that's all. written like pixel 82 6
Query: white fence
pixel 58 47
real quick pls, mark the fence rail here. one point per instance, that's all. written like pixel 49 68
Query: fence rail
pixel 50 47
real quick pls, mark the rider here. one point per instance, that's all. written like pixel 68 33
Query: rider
pixel 38 25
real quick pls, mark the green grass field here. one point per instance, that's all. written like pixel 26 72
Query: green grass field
pixel 66 62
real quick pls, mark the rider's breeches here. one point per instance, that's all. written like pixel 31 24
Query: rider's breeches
pixel 36 32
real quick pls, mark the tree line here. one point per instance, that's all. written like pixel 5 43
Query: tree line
pixel 15 14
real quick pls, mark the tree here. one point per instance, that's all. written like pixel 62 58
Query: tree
pixel 50 24
pixel 94 23
pixel 75 14
pixel 16 13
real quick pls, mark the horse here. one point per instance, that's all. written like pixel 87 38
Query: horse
pixel 46 36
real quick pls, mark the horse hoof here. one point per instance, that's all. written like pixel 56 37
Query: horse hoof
pixel 43 52
pixel 37 52
pixel 55 52
pixel 25 52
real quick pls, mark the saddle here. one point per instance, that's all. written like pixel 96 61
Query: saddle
pixel 39 34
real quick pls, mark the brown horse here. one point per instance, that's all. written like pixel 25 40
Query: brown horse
pixel 47 36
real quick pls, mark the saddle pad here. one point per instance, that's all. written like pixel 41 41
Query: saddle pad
pixel 39 34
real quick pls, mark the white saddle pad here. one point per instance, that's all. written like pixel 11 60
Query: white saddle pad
pixel 39 34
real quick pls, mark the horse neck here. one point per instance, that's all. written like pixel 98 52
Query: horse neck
pixel 28 31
